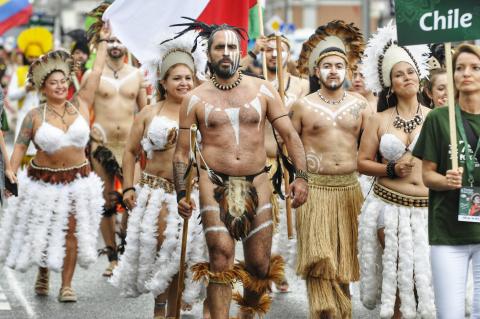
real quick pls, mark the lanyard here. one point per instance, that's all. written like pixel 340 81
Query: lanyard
pixel 469 160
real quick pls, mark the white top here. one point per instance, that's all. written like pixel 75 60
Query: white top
pixel 161 135
pixel 392 148
pixel 50 138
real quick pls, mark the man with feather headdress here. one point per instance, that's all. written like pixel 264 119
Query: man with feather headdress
pixel 329 122
pixel 121 93
pixel 230 111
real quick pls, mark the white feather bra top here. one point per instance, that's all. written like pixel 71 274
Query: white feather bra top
pixel 50 138
pixel 392 148
pixel 161 135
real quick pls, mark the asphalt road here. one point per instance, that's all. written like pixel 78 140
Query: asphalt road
pixel 98 299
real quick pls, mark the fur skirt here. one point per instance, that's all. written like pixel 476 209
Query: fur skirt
pixel 404 264
pixel 33 226
pixel 143 269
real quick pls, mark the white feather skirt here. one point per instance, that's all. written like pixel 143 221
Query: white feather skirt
pixel 403 264
pixel 34 224
pixel 143 269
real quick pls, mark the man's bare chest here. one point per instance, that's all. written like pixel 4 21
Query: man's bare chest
pixel 320 117
pixel 126 87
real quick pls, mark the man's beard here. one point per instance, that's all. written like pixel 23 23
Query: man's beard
pixel 272 68
pixel 333 86
pixel 116 56
pixel 224 73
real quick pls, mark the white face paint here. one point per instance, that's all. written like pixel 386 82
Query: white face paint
pixel 326 72
pixel 273 45
pixel 234 55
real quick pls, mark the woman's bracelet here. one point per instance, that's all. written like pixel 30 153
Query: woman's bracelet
pixel 391 169
pixel 102 40
pixel 128 189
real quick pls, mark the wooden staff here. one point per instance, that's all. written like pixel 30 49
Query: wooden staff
pixel 181 272
pixel 262 33
pixel 286 175
pixel 451 105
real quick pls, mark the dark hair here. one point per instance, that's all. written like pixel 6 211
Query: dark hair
pixel 205 31
pixel 387 99
pixel 82 46
pixel 314 83
pixel 428 85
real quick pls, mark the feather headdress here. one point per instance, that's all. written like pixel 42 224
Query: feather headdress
pixel 58 60
pixel 179 50
pixel 383 52
pixel 437 56
pixel 333 38
pixel 93 32
pixel 205 31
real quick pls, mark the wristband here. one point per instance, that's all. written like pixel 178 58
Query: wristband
pixel 391 169
pixel 301 174
pixel 128 189
pixel 180 195
pixel 252 54
pixel 102 40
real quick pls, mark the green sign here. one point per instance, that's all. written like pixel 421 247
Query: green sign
pixel 435 21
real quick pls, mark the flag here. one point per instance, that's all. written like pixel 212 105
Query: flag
pixel 14 13
pixel 254 18
pixel 138 23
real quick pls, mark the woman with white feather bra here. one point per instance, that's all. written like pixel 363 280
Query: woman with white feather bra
pixel 152 252
pixel 393 243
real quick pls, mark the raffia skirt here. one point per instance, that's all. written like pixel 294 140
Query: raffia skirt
pixel 143 269
pixel 34 224
pixel 327 242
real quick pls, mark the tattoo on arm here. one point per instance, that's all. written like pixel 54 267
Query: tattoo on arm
pixel 26 131
pixel 179 169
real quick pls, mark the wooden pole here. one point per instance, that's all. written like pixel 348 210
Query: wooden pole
pixel 286 176
pixel 451 105
pixel 181 272
pixel 262 33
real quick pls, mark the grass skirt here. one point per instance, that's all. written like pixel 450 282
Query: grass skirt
pixel 141 268
pixel 34 224
pixel 327 242
pixel 403 265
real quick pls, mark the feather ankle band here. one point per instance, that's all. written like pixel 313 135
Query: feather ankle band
pixel 260 285
pixel 260 309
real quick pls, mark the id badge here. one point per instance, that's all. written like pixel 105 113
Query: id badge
pixel 469 205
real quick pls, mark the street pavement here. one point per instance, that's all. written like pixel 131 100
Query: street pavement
pixel 98 299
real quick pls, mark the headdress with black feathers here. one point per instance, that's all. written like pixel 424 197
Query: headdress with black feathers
pixel 205 31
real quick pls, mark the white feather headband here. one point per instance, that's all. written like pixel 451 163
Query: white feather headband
pixel 383 52
pixel 174 52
